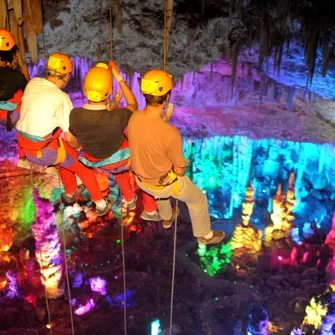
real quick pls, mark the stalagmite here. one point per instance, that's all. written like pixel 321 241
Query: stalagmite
pixel 245 235
pixel 47 247
pixel 290 200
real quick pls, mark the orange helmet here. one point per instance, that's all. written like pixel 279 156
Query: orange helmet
pixel 156 82
pixel 60 63
pixel 7 40
pixel 98 83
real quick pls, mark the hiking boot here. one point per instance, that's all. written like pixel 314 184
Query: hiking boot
pixel 168 223
pixel 103 211
pixel 151 217
pixel 132 204
pixel 217 237
pixel 71 199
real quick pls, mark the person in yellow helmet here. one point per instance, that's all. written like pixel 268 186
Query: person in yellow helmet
pixel 157 158
pixel 101 132
pixel 44 117
pixel 12 82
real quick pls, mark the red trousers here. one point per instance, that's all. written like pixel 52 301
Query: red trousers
pixel 125 181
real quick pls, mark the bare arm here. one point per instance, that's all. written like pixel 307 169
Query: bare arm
pixel 23 66
pixel 71 140
pixel 179 171
pixel 128 94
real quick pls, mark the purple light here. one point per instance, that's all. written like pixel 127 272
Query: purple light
pixel 98 285
pixel 280 258
pixel 86 308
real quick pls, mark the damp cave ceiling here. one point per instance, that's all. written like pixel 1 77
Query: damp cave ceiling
pixel 295 37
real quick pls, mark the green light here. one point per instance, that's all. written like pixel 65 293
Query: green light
pixel 118 241
pixel 215 258
pixel 216 298
pixel 234 282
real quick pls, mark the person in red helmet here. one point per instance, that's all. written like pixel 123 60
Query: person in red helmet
pixel 157 158
pixel 44 117
pixel 101 132
pixel 12 81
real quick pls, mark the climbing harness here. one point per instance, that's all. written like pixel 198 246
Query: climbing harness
pixel 118 156
pixel 173 181
pixel 34 145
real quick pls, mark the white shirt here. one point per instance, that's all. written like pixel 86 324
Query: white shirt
pixel 44 107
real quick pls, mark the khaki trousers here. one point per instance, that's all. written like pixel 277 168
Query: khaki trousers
pixel 189 193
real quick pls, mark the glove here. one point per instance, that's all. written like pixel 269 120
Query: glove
pixel 113 68
pixel 115 102
pixel 168 113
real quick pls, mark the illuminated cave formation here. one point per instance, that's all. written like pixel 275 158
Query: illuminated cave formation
pixel 254 103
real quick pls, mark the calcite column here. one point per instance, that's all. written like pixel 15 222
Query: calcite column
pixel 48 247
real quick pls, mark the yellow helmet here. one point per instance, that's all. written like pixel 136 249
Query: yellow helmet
pixel 7 40
pixel 98 83
pixel 156 82
pixel 60 63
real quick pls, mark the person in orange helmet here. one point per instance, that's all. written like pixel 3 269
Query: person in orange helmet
pixel 157 158
pixel 44 117
pixel 12 82
pixel 101 132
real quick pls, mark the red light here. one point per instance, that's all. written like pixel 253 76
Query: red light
pixel 280 258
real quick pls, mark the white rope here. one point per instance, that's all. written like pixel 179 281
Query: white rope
pixel 123 264
pixel 40 252
pixel 173 266
pixel 64 250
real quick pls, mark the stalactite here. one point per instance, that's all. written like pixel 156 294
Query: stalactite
pixel 30 33
pixel 264 42
pixel 3 13
pixel 290 97
pixel 326 50
pixel 235 53
pixel 311 47
pixel 35 12
pixel 118 16
pixel 18 11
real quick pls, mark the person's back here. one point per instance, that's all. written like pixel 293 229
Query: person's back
pixel 99 130
pixel 155 146
pixel 12 81
pixel 44 108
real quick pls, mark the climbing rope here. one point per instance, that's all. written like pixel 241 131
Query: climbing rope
pixel 166 45
pixel 165 35
pixel 123 262
pixel 173 267
pixel 110 29
pixel 41 252
pixel 64 250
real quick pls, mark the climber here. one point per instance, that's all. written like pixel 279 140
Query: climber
pixel 12 82
pixel 158 162
pixel 44 116
pixel 101 132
